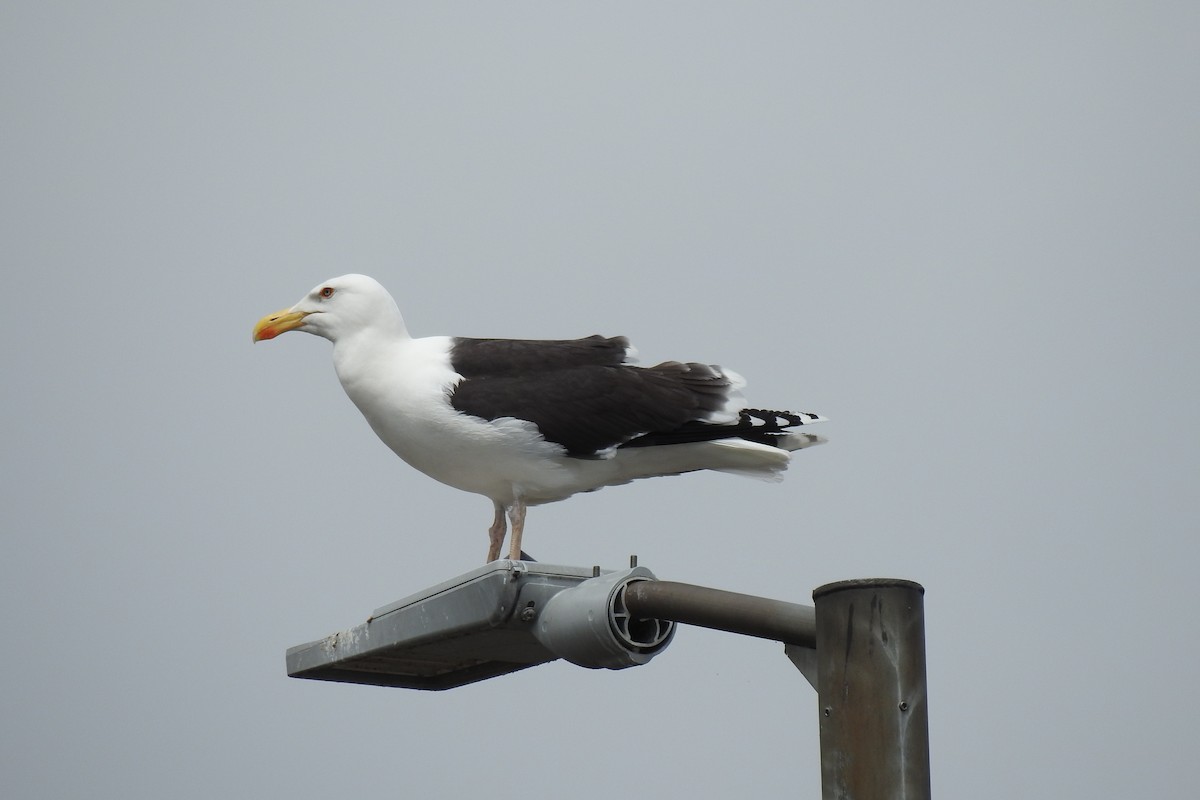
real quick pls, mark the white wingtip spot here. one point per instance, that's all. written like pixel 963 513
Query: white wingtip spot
pixel 799 441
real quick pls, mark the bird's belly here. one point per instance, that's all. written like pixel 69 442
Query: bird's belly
pixel 501 459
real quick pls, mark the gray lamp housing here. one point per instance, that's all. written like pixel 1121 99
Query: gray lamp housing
pixel 590 624
pixel 502 617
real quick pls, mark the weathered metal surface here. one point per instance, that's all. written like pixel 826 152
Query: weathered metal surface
pixel 467 629
pixel 872 691
pixel 486 623
pixel 725 611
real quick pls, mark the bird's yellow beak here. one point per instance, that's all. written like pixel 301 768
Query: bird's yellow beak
pixel 272 325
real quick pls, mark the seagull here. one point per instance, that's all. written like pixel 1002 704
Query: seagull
pixel 526 422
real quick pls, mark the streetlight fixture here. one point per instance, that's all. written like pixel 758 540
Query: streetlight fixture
pixel 861 645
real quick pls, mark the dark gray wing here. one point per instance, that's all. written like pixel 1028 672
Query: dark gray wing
pixel 579 393
pixel 475 358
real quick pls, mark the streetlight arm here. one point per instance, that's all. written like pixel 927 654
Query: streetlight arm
pixel 764 618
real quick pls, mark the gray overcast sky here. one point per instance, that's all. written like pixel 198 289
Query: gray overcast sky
pixel 965 232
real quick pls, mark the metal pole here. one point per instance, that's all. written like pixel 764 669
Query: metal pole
pixel 871 690
pixel 725 611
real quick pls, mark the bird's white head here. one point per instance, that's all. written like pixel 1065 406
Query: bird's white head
pixel 336 309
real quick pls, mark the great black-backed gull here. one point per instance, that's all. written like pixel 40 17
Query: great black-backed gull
pixel 526 422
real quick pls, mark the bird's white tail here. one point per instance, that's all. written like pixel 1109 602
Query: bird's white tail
pixel 734 456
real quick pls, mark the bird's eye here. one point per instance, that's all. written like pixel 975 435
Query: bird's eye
pixel 327 292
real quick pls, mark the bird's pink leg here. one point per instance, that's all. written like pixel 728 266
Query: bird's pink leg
pixel 516 514
pixel 496 535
